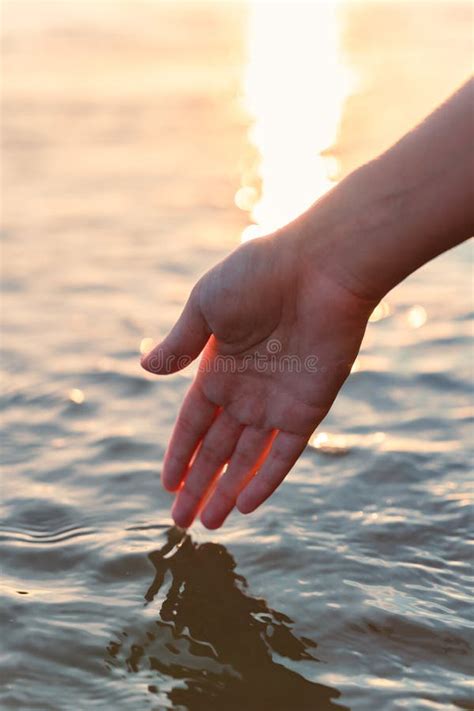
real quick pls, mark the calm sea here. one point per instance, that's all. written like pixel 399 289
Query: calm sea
pixel 141 139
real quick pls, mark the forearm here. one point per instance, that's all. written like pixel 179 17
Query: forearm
pixel 399 211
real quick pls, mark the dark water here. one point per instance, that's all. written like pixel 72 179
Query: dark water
pixel 351 587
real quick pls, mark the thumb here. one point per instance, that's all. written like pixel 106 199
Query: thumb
pixel 183 344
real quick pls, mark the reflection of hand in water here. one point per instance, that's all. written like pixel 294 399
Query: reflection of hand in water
pixel 218 640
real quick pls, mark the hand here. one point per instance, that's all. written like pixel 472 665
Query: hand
pixel 279 338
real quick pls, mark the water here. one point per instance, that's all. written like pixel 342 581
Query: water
pixel 125 139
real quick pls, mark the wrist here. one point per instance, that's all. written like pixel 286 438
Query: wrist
pixel 368 243
pixel 345 233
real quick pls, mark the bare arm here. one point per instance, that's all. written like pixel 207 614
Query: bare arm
pixel 412 203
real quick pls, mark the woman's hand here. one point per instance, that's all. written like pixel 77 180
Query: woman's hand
pixel 279 337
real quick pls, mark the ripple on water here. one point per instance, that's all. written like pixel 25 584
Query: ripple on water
pixel 41 538
pixel 356 576
pixel 122 448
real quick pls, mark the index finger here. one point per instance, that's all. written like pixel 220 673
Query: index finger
pixel 195 417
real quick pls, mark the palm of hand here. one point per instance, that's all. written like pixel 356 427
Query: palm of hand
pixel 278 343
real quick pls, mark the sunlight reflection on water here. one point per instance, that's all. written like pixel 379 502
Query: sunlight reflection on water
pixel 295 85
pixel 123 133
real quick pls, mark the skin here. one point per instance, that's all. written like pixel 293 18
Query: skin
pixel 306 293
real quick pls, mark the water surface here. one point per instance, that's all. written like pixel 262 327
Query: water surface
pixel 128 130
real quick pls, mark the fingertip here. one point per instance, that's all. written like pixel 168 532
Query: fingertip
pixel 152 361
pixel 183 519
pixel 211 522
pixel 181 522
pixel 170 486
pixel 245 507
pixel 216 510
pixel 172 474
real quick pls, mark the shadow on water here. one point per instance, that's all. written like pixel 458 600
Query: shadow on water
pixel 214 646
